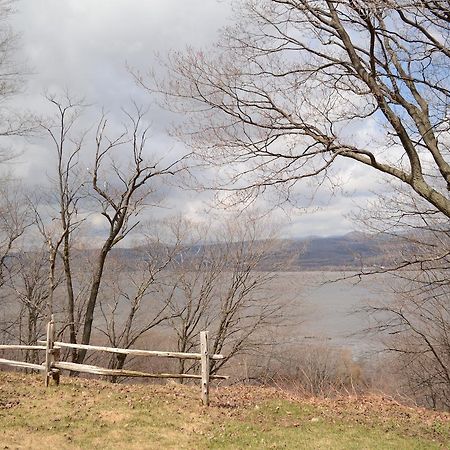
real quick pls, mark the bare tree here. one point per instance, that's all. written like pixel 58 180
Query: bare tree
pixel 12 71
pixel 222 287
pixel 415 326
pixel 14 220
pixel 66 194
pixel 29 289
pixel 135 299
pixel 290 84
pixel 121 194
pixel 418 336
pixel 118 186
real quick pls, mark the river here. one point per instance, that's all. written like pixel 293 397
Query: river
pixel 326 311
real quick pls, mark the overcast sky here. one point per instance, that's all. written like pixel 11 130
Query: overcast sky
pixel 86 45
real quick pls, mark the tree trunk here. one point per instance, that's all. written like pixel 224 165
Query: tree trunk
pixel 90 308
pixel 70 299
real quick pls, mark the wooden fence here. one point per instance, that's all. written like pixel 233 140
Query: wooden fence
pixel 52 365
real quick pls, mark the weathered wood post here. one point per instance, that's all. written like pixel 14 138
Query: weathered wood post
pixel 56 373
pixel 205 366
pixel 51 354
pixel 49 351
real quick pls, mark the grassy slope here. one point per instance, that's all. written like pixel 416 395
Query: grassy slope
pixel 95 414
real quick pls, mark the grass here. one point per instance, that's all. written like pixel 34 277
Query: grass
pixel 95 414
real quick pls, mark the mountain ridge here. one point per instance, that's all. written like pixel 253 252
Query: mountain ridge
pixel 350 251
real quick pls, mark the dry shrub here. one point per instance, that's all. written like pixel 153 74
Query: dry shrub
pixel 316 369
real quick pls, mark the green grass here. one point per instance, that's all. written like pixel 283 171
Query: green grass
pixel 302 426
pixel 95 414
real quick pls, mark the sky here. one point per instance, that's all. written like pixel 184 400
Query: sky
pixel 88 46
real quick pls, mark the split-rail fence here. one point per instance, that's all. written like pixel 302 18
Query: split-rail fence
pixel 52 365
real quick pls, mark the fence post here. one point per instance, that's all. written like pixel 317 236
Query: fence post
pixel 205 366
pixel 56 354
pixel 49 357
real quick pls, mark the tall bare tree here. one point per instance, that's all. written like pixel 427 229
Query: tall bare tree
pixel 121 194
pixel 117 185
pixel 288 89
pixel 13 214
pixel 66 193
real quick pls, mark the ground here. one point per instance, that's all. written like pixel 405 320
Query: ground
pixel 95 414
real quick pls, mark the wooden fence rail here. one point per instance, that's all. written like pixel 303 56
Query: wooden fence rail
pixel 23 347
pixel 22 364
pixel 52 365
pixel 96 370
pixel 130 351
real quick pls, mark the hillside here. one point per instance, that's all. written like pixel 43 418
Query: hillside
pixel 95 414
pixel 351 251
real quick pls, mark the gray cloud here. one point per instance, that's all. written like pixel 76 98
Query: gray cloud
pixel 84 45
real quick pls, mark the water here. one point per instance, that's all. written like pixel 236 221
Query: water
pixel 317 310
pixel 327 312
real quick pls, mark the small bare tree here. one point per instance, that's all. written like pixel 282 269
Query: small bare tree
pixel 29 290
pixel 14 220
pixel 222 287
pixel 416 325
pixel 418 330
pixel 135 297
pixel 12 72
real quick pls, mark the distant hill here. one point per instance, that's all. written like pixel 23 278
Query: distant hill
pixel 351 251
